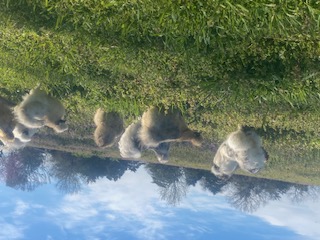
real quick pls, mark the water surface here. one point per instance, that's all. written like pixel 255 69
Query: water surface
pixel 55 195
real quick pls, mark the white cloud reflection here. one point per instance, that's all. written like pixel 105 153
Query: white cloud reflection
pixel 21 208
pixel 10 231
pixel 131 199
pixel 132 205
pixel 130 208
pixel 302 218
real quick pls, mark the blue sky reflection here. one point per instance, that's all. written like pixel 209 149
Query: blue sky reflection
pixel 131 208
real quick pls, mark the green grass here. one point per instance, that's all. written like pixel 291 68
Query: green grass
pixel 300 166
pixel 222 63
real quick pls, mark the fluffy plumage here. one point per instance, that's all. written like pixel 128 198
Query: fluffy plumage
pixel 159 127
pixel 7 122
pixel 131 146
pixel 243 148
pixel 12 134
pixel 38 109
pixel 109 127
pixel 23 133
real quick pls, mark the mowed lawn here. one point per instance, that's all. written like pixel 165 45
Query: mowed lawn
pixel 223 63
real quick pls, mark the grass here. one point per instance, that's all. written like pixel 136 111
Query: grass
pixel 221 63
pixel 300 166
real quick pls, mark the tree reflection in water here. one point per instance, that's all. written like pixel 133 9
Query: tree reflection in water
pixel 249 194
pixel 24 169
pixel 28 168
pixel 72 172
pixel 171 181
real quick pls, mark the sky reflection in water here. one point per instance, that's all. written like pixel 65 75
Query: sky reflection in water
pixel 137 201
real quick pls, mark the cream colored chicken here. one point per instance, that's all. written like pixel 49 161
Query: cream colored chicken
pixel 38 109
pixel 243 148
pixel 109 127
pixel 157 127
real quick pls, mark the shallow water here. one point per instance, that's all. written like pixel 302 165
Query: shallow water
pixel 54 195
